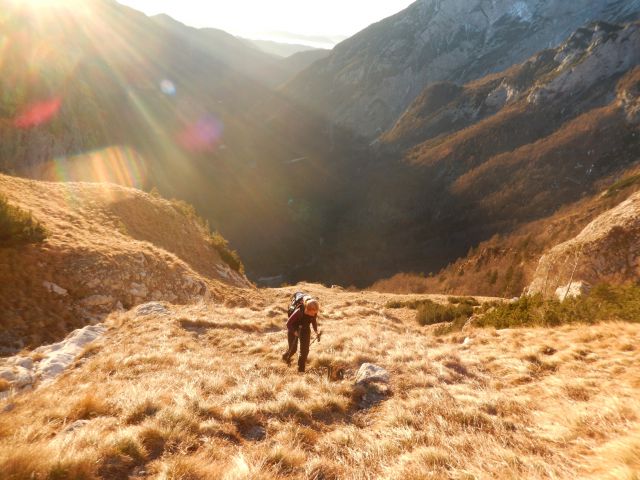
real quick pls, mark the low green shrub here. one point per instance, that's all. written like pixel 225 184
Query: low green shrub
pixel 464 301
pixel 18 227
pixel 230 257
pixel 430 313
pixel 604 302
pixel 450 327
pixel 412 304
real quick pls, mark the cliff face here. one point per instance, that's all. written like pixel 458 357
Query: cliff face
pixel 370 79
pixel 567 77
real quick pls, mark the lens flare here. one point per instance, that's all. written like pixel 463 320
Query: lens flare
pixel 167 87
pixel 38 113
pixel 118 164
pixel 202 136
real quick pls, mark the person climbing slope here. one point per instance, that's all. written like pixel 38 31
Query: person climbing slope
pixel 303 314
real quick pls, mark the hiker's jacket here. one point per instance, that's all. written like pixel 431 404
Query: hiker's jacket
pixel 300 319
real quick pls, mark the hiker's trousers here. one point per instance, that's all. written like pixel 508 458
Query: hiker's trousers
pixel 305 341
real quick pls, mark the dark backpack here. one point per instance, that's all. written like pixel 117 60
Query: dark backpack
pixel 296 301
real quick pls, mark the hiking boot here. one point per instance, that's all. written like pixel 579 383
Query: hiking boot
pixel 286 359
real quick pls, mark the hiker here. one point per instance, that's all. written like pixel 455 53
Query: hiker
pixel 303 314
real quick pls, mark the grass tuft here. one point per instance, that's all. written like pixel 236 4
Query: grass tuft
pixel 286 460
pixel 120 458
pixel 191 468
pixel 622 185
pixel 76 470
pixel 140 411
pixel 89 406
pixel 153 440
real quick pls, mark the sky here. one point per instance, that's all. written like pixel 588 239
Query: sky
pixel 320 23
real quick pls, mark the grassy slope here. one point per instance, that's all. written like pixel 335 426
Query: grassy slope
pixel 190 395
pixel 102 240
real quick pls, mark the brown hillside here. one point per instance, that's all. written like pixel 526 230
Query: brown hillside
pixel 445 108
pixel 531 100
pixel 91 82
pixel 107 247
pixel 562 164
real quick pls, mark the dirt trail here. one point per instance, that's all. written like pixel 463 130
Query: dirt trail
pixel 199 391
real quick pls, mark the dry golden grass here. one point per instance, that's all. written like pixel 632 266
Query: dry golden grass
pixel 202 394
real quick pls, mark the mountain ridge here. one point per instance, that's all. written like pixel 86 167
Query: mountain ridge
pixel 393 60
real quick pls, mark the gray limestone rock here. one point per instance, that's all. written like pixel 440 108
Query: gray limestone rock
pixel 368 372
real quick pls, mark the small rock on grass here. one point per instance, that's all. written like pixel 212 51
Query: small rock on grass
pixel 369 372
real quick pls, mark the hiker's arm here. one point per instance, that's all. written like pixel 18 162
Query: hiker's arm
pixel 294 319
pixel 314 322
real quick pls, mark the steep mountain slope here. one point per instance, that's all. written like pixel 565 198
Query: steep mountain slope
pixel 499 152
pixel 107 248
pixel 507 264
pixel 108 93
pixel 200 392
pixel 243 56
pixel 146 102
pixel 302 60
pixel 370 79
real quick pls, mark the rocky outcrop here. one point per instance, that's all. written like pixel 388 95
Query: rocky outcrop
pixel 570 78
pixel 372 385
pixel 589 56
pixel 607 250
pixel 371 78
pixel 572 290
pixel 44 364
pixel 22 372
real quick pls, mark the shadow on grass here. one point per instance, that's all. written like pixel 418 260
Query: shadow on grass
pixel 201 326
